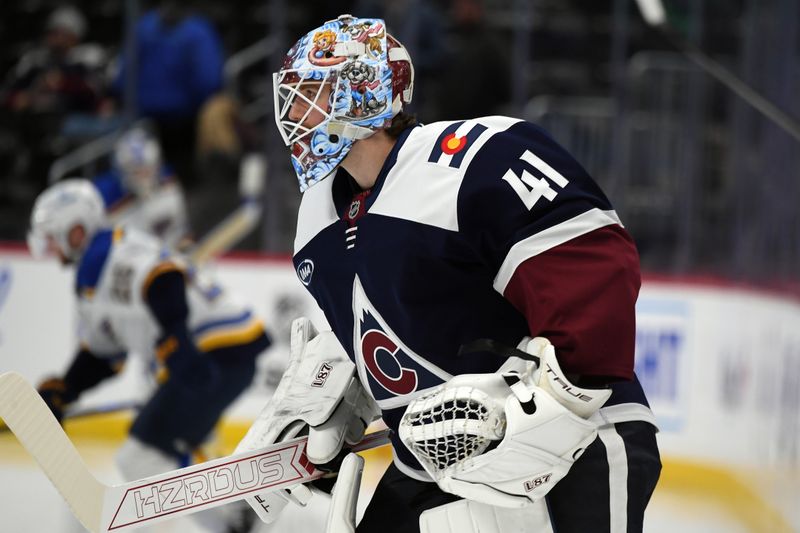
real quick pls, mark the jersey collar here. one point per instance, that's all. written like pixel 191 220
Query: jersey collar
pixel 391 159
pixel 345 188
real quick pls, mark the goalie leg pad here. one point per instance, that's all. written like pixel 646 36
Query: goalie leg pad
pixel 466 516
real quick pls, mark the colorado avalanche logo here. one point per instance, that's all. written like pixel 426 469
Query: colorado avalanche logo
pixel 394 374
pixel 392 377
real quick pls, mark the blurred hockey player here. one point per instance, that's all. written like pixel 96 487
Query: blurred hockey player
pixel 135 296
pixel 481 292
pixel 141 191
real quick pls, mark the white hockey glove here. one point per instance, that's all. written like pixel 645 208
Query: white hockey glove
pixel 319 393
pixel 505 438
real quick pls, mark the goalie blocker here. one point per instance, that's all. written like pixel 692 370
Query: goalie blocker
pixel 318 395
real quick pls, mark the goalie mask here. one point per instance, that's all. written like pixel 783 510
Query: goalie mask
pixel 137 156
pixel 339 83
pixel 57 210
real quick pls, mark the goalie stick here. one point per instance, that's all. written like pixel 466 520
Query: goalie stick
pixel 655 15
pixel 85 412
pixel 226 234
pixel 104 508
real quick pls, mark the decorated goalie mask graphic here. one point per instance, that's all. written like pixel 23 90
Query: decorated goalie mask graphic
pixel 339 83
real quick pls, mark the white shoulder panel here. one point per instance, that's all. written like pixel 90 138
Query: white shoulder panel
pixel 550 238
pixel 422 191
pixel 316 212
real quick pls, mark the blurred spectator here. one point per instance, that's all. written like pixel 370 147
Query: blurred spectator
pixel 141 191
pixel 61 74
pixel 179 62
pixel 420 26
pixel 476 80
pixel 57 79
pixel 221 140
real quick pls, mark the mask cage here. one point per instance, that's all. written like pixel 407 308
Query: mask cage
pixel 304 88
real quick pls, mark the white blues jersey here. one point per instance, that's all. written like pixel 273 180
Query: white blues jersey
pixel 162 213
pixel 112 280
pixel 477 229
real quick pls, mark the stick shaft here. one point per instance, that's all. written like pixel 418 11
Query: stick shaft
pixel 227 233
pixel 216 482
pixel 31 421
pixel 746 92
pixel 102 508
pixel 88 411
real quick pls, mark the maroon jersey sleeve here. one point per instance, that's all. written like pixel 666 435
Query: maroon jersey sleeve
pixel 581 295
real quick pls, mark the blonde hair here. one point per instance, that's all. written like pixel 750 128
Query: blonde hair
pixel 330 35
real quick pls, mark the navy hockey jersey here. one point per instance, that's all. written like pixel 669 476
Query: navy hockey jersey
pixel 476 229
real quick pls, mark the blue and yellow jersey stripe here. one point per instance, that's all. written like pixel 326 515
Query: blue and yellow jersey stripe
pixel 158 270
pixel 228 332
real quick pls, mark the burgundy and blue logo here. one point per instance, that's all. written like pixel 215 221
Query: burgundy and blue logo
pixel 392 372
pixel 382 358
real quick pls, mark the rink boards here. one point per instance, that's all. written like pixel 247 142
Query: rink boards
pixel 720 363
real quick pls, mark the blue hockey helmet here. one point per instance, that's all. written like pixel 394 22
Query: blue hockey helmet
pixel 339 83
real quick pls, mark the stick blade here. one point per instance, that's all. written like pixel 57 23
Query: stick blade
pixel 29 418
